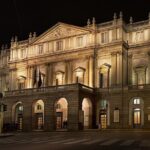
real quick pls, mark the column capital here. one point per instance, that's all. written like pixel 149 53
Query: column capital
pixel 113 53
pixel 130 55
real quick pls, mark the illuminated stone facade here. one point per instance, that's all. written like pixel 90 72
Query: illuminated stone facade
pixel 79 77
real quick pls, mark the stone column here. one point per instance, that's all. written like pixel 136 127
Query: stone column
pixel 87 72
pixel 31 73
pixel 27 117
pixel 73 112
pixel 49 115
pixel 91 71
pixel 148 78
pixel 14 78
pixel 114 68
pixel 69 72
pixel 10 79
pixel 66 72
pixel 120 68
pixel 117 68
pixel 130 69
pixel 29 77
pixel 49 74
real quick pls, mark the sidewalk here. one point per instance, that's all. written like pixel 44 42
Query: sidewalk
pixel 116 130
pixel 2 135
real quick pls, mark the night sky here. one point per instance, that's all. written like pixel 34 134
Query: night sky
pixel 19 17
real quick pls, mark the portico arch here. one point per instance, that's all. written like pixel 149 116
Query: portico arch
pixel 87 112
pixel 61 109
pixel 38 114
pixel 17 115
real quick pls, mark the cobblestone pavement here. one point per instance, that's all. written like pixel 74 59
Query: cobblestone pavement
pixel 93 140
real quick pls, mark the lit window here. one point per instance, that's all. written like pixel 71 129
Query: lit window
pixel 20 108
pixel 40 49
pixel 136 101
pixel 59 78
pixel 79 41
pixel 58 106
pixel 39 107
pixel 59 45
pixel 79 74
pixel 103 104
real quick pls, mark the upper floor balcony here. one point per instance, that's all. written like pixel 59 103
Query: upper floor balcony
pixel 120 88
pixel 49 89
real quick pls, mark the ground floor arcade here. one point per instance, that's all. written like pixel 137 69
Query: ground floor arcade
pixel 77 109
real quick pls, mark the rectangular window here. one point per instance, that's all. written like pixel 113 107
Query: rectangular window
pixel 139 36
pixel 104 37
pixel 79 41
pixel 22 53
pixel 40 49
pixel 116 115
pixel 101 80
pixel 59 45
pixel 103 104
pixel 67 43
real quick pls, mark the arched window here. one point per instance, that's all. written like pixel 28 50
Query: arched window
pixel 58 106
pixel 79 75
pixel 59 78
pixel 39 107
pixel 136 101
pixel 104 75
pixel 21 82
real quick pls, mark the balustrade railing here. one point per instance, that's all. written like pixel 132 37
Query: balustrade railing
pixel 48 89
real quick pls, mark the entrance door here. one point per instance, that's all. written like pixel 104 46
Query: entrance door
pixel 59 118
pixel 103 121
pixel 39 121
pixel 20 122
pixel 137 118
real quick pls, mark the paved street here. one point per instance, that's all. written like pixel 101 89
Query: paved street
pixel 89 140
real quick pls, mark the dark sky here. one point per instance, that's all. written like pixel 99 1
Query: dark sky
pixel 19 17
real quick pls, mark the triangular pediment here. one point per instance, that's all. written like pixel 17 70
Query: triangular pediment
pixel 60 30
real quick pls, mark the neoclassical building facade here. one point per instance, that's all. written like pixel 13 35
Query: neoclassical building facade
pixel 79 77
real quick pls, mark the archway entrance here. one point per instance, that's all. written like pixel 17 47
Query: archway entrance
pixel 61 114
pixel 39 115
pixel 136 114
pixel 87 113
pixel 18 115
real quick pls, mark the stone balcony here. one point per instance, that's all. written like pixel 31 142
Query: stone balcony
pixel 49 89
pixel 119 88
pixel 139 87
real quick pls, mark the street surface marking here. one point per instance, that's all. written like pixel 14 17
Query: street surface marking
pixel 127 143
pixel 66 140
pixel 77 141
pixel 93 141
pixel 109 142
